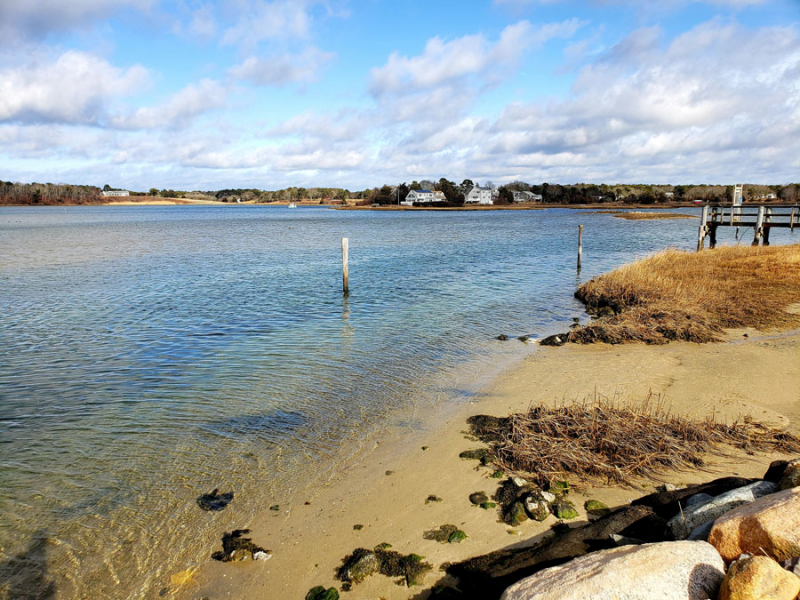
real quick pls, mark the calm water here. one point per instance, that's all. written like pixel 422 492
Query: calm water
pixel 149 354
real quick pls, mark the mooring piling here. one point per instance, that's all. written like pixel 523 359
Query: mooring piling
pixel 345 272
pixel 580 246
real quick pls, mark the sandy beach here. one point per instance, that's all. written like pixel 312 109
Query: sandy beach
pixel 750 373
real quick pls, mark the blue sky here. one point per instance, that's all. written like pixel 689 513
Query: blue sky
pixel 198 94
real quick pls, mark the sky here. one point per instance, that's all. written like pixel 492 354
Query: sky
pixel 205 95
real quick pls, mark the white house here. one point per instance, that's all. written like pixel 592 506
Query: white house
pixel 117 193
pixel 477 195
pixel 423 197
pixel 527 197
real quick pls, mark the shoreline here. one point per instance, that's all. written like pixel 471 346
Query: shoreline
pixel 386 491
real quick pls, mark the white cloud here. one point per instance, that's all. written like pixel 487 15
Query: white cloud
pixel 276 20
pixel 178 110
pixel 23 19
pixel 281 70
pixel 76 88
pixel 203 23
pixel 471 55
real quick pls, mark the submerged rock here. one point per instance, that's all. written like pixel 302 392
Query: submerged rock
pixel 214 501
pixel 554 340
pixel 236 547
pixel 502 337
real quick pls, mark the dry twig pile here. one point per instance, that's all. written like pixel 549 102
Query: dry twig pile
pixel 603 440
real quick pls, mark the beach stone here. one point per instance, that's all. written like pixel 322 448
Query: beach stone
pixel 701 532
pixel 547 497
pixel 360 565
pixel 667 571
pixel 537 509
pixel 554 340
pixel 478 498
pixel 667 487
pixel 565 510
pixel 770 525
pixel 791 476
pixel 775 471
pixel 759 578
pixel 595 507
pixel 516 514
pixel 320 593
pixel 682 524
pixel 698 499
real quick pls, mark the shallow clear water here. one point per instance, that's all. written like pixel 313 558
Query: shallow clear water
pixel 150 354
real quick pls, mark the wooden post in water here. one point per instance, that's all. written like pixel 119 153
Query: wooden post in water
pixel 345 272
pixel 759 229
pixel 701 234
pixel 580 245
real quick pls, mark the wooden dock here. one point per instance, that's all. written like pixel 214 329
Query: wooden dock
pixel 761 217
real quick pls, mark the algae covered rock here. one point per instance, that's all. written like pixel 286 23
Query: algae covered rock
pixel 320 593
pixel 791 475
pixel 536 507
pixel 481 454
pixel 559 488
pixel 236 547
pixel 564 510
pixel 441 534
pixel 432 498
pixel 515 515
pixel 488 505
pixel 359 565
pixel 595 507
pixel 478 498
pixel 456 537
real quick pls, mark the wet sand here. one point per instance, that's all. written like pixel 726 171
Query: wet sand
pixel 757 374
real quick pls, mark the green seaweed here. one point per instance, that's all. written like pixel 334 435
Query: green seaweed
pixel 456 537
pixel 320 593
pixel 481 454
pixel 441 534
pixel 597 508
pixel 358 527
pixel 488 505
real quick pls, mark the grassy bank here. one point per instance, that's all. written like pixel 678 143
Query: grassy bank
pixel 691 296
pixel 649 216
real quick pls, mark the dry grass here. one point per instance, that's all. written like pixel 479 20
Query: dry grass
pixel 615 442
pixel 647 216
pixel 676 295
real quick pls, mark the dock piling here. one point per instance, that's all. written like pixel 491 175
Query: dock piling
pixel 759 228
pixel 701 233
pixel 580 245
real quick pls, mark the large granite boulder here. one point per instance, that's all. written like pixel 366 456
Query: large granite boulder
pixel 791 476
pixel 759 578
pixel 770 525
pixel 682 524
pixel 667 571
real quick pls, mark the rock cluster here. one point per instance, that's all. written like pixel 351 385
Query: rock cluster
pixel 752 549
pixel 520 501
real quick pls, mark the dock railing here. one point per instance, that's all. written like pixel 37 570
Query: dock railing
pixel 761 217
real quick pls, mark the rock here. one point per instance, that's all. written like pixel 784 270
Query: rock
pixel 488 575
pixel 775 471
pixel 537 509
pixel 698 499
pixel 515 514
pixel 358 527
pixel 757 578
pixel 320 593
pixel 770 525
pixel 236 547
pixel 682 524
pixel 488 505
pixel 432 498
pixel 701 532
pixel 456 537
pixel 510 491
pixel 478 498
pixel 548 497
pixel 441 534
pixel 520 483
pixel 214 501
pixel 791 476
pixel 261 555
pixel 554 340
pixel 359 565
pixel 558 487
pixel 481 454
pixel 666 503
pixel 621 540
pixel 524 338
pixel 595 507
pixel 502 337
pixel 565 510
pixel 667 487
pixel 667 571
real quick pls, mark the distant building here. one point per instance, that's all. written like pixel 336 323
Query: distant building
pixel 527 197
pixel 477 195
pixel 669 195
pixel 423 197
pixel 117 193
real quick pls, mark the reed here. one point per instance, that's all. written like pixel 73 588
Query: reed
pixel 676 295
pixel 616 441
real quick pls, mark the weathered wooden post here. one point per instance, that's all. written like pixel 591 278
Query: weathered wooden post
pixel 759 229
pixel 580 245
pixel 345 272
pixel 701 233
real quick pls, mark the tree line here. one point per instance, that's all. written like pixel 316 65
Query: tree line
pixel 48 193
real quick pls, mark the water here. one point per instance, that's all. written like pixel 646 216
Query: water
pixel 151 354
